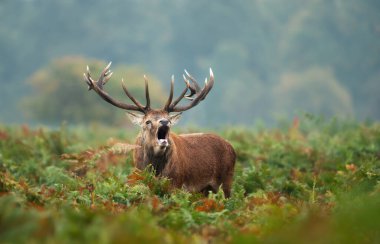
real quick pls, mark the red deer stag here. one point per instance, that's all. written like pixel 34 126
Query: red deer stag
pixel 198 162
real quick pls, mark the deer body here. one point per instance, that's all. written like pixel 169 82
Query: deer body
pixel 197 162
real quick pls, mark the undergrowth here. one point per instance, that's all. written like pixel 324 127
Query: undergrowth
pixel 309 181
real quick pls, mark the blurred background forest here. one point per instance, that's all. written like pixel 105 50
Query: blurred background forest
pixel 270 58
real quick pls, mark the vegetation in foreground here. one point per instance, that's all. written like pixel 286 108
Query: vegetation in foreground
pixel 311 181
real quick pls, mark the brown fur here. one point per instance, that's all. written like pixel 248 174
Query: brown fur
pixel 197 162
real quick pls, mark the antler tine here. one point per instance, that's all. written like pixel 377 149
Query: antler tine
pixel 88 79
pixel 169 101
pixel 147 106
pixel 194 87
pixel 134 100
pixel 200 95
pixel 104 77
pixel 97 86
pixel 180 97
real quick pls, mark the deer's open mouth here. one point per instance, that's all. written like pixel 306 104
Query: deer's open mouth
pixel 162 135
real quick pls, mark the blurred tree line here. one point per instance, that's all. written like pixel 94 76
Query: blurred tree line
pixel 270 58
pixel 60 96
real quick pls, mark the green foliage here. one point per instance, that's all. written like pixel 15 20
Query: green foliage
pixel 313 181
pixel 61 94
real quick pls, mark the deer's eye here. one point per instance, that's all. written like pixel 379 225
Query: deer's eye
pixel 148 122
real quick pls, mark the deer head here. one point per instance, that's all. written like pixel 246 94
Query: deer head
pixel 155 123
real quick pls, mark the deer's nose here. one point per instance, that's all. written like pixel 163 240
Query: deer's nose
pixel 164 122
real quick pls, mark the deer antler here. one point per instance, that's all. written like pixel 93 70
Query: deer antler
pixel 196 93
pixel 97 86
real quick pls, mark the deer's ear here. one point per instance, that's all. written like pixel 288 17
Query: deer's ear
pixel 175 118
pixel 135 118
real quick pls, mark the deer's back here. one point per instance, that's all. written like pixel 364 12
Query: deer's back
pixel 204 147
pixel 203 158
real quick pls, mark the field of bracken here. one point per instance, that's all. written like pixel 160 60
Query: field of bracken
pixel 307 181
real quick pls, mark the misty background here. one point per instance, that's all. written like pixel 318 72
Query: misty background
pixel 271 58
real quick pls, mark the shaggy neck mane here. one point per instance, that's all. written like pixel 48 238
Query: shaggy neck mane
pixel 157 161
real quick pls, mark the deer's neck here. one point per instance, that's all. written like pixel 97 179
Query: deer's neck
pixel 151 155
pixel 157 161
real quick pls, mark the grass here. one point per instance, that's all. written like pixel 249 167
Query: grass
pixel 311 181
